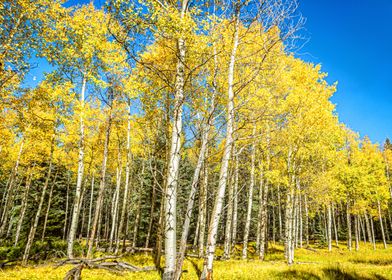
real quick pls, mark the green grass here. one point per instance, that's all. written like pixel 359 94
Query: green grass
pixel 365 264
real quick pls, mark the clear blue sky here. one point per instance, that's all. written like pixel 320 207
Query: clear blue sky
pixel 352 39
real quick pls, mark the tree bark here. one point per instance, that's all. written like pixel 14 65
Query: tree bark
pixel 102 184
pixel 349 237
pixel 203 207
pixel 48 208
pixel 126 187
pixel 23 207
pixel 10 191
pixel 329 227
pixel 250 196
pixel 220 194
pixel 115 204
pixel 381 224
pixel 174 160
pixel 78 191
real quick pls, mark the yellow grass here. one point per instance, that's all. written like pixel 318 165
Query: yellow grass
pixel 319 264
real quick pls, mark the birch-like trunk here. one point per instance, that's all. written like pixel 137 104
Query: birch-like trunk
pixel 381 224
pixel 250 196
pixel 102 183
pixel 373 235
pixel 329 227
pixel 126 187
pixel 138 210
pixel 335 230
pixel 368 229
pixel 152 208
pixel 229 220
pixel 356 232
pixel 191 199
pixel 220 194
pixel 66 209
pixel 79 180
pixel 263 220
pixel 349 237
pixel 203 207
pixel 90 209
pixel 306 220
pixel 48 208
pixel 115 204
pixel 9 194
pixel 23 208
pixel 289 221
pixel 174 161
pixel 235 201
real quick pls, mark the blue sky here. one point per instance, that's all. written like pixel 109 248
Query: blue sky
pixel 352 39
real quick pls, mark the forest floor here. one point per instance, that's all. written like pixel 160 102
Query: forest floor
pixel 312 263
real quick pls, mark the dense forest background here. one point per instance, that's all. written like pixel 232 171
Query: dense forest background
pixel 165 126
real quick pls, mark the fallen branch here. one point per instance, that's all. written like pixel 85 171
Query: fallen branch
pixel 113 266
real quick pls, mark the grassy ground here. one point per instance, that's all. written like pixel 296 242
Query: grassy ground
pixel 319 264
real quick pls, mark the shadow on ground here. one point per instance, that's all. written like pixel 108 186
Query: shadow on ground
pixel 327 274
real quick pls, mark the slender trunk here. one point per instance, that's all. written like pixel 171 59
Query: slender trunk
pixel 329 227
pixel 48 209
pixel 174 161
pixel 138 210
pixel 102 183
pixel 250 196
pixel 66 209
pixel 362 228
pixel 33 229
pixel 203 208
pixel 373 236
pixel 260 213
pixel 306 220
pixel 349 238
pixel 300 220
pixel 263 221
pixel 368 229
pixel 136 224
pixel 235 202
pixel 280 216
pixel 23 208
pixel 10 191
pixel 334 226
pixel 126 187
pixel 75 212
pixel 115 205
pixel 289 220
pixel 220 194
pixel 90 209
pixel 356 232
pixel 381 224
pixel 195 182
pixel 152 209
pixel 229 220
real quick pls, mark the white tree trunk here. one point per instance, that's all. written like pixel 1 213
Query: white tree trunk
pixel 126 187
pixel 102 184
pixel 329 227
pixel 220 194
pixel 23 208
pixel 79 180
pixel 250 196
pixel 381 224
pixel 174 161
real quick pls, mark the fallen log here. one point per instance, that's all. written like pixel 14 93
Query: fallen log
pixel 113 266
